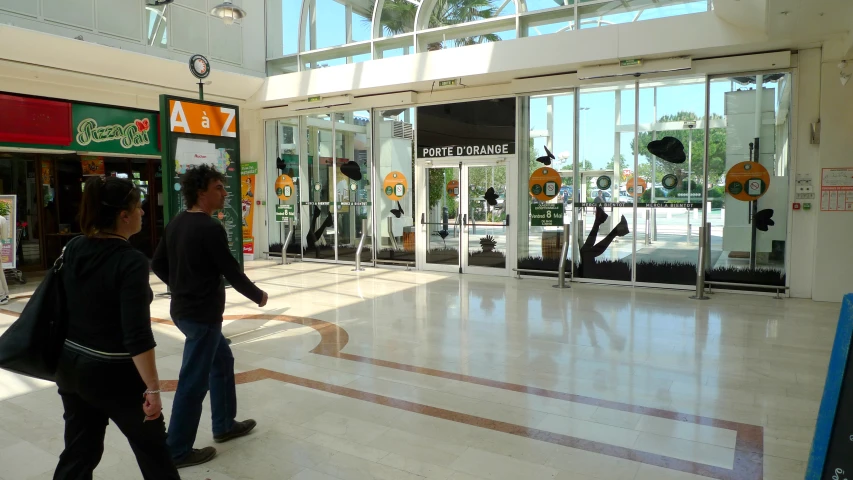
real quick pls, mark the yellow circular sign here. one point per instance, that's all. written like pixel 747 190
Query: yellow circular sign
pixel 284 188
pixel 747 181
pixel 395 186
pixel 641 186
pixel 453 188
pixel 545 184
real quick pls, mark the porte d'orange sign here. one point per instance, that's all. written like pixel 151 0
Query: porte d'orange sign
pixel 202 119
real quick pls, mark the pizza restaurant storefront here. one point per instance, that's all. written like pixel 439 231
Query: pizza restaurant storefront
pixel 49 148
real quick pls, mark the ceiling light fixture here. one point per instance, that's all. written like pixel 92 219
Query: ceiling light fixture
pixel 228 12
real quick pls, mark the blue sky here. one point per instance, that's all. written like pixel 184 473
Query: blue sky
pixel 597 130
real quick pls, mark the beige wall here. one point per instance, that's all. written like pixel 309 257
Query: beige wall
pixel 833 245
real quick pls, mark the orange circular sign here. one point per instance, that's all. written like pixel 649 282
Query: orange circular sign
pixel 395 186
pixel 545 184
pixel 453 188
pixel 284 188
pixel 641 186
pixel 747 181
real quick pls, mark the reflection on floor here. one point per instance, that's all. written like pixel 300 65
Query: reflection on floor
pixel 388 374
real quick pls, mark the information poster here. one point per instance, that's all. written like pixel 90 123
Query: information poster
pixel 546 215
pixel 8 232
pixel 196 133
pixel 247 195
pixel 836 190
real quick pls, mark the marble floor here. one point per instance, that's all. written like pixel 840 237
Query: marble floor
pixel 396 375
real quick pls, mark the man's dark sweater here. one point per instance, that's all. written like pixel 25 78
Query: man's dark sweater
pixel 192 258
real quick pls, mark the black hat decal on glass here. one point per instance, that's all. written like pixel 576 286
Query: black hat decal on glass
pixel 351 170
pixel 764 219
pixel 546 159
pixel 668 149
pixel 491 197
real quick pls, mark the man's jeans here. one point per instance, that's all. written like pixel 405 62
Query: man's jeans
pixel 207 363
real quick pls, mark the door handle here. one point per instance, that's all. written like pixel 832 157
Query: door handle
pixel 465 219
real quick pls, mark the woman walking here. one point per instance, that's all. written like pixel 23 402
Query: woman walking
pixel 107 370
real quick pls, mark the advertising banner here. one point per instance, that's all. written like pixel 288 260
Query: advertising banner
pixel 8 230
pixel 247 194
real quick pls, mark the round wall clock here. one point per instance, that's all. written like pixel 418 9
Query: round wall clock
pixel 199 66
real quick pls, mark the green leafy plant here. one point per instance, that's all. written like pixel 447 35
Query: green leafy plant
pixel 398 17
pixel 5 208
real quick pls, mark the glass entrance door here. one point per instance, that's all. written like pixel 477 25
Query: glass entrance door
pixel 465 216
pixel 335 205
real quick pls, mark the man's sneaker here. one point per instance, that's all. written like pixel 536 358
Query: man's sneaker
pixel 196 457
pixel 4 301
pixel 238 430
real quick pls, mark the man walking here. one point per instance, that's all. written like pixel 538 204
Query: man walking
pixel 192 259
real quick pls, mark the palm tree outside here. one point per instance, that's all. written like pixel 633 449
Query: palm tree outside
pixel 398 17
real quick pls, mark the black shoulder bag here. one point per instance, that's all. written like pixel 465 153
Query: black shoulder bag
pixel 32 345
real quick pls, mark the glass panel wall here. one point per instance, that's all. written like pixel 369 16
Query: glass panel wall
pixel 443 218
pixel 748 235
pixel 551 127
pixel 598 13
pixel 282 27
pixel 671 175
pixel 318 190
pixel 352 183
pixel 605 214
pixel 395 180
pixel 332 24
pixel 487 214
pixel 283 149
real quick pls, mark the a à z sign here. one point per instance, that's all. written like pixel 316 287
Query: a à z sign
pixel 202 119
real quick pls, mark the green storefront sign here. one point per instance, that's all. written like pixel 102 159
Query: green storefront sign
pixel 113 130
pixel 546 215
pixel 96 129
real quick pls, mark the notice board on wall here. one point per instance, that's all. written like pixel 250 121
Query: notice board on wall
pixel 836 190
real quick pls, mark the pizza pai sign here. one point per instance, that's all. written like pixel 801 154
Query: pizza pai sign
pixel 202 119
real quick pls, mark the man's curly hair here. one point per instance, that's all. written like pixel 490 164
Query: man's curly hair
pixel 197 180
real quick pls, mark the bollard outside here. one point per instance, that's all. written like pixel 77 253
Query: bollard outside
pixel 564 252
pixel 700 268
pixel 360 246
pixel 286 244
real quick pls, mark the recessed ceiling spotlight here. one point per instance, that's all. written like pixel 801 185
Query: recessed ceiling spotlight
pixel 784 12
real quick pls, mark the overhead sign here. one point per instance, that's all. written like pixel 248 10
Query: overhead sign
pixel 546 215
pixel 544 184
pixel 395 186
pixel 285 213
pixel 202 119
pixel 284 187
pixel 747 181
pixel 506 148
